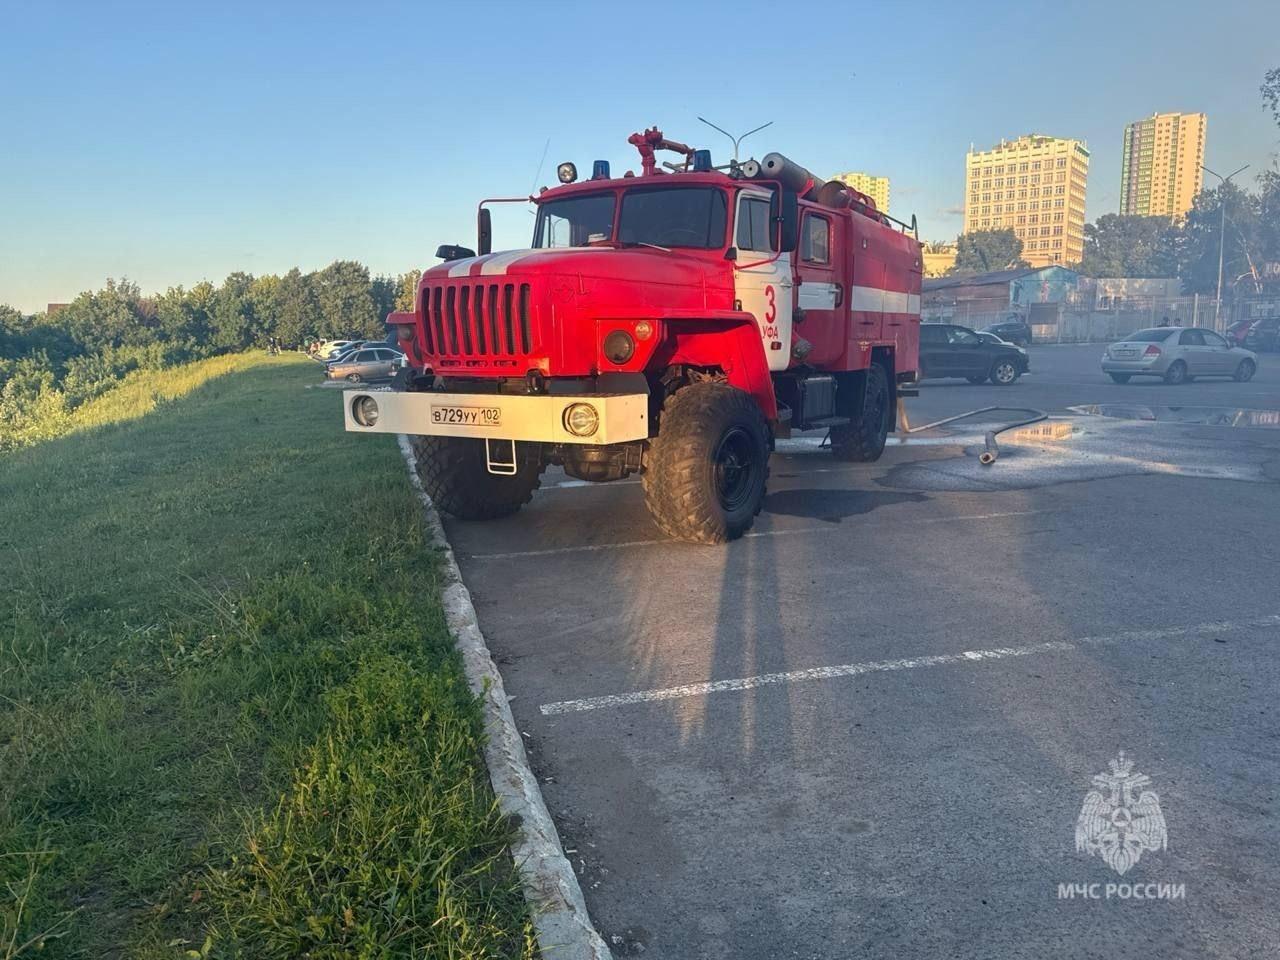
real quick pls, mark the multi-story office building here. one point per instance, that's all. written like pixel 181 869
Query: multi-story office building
pixel 877 188
pixel 1034 186
pixel 1161 173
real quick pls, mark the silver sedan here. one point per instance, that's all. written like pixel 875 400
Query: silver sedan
pixel 1177 355
pixel 370 363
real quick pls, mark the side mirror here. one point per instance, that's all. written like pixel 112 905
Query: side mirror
pixel 450 251
pixel 484 231
pixel 784 210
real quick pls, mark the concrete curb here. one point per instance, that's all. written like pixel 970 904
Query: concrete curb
pixel 564 929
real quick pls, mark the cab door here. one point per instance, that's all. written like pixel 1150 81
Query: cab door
pixel 762 279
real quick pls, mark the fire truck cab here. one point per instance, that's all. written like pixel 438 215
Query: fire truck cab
pixel 670 324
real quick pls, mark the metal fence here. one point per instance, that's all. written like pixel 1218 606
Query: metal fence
pixel 1070 322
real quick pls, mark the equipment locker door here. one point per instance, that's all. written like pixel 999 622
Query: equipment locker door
pixel 820 293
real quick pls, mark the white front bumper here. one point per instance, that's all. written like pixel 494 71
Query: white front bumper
pixel 623 416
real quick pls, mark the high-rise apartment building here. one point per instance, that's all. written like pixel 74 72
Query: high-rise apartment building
pixel 1034 186
pixel 1160 173
pixel 877 188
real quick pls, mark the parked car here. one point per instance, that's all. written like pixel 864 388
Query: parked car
pixel 1238 332
pixel 989 337
pixel 947 350
pixel 1013 330
pixel 355 345
pixel 332 349
pixel 370 363
pixel 1264 334
pixel 1178 355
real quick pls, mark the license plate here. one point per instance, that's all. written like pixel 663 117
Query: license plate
pixel 1126 353
pixel 466 416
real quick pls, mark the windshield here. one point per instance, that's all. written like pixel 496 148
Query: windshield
pixel 661 217
pixel 574 221
pixel 674 217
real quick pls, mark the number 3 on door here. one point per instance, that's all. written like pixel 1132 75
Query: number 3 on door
pixel 772 310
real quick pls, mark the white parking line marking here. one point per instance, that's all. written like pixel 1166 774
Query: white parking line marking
pixel 790 531
pixel 910 663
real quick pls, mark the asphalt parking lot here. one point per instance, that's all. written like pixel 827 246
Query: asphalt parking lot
pixel 868 728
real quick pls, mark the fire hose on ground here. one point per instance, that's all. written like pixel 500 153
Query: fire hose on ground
pixel 992 450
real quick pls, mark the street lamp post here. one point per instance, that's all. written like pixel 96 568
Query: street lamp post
pixel 1222 235
pixel 737 141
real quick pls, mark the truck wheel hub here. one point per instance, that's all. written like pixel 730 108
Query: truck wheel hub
pixel 734 469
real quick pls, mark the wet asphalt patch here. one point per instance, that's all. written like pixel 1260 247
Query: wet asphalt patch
pixel 1093 449
pixel 1208 416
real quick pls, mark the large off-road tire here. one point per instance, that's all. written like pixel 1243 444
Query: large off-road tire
pixel 706 471
pixel 863 397
pixel 455 476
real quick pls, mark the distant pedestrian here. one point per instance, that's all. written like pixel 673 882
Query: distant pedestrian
pixel 1164 322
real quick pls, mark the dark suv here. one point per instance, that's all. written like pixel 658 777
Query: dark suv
pixel 1011 330
pixel 1263 334
pixel 947 350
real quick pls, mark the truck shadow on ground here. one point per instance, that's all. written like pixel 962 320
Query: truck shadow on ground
pixel 832 506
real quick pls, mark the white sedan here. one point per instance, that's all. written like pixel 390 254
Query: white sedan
pixel 1177 355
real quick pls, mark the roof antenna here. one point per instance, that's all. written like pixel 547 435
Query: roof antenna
pixel 537 173
pixel 736 140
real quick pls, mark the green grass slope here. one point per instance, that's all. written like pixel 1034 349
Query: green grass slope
pixel 231 719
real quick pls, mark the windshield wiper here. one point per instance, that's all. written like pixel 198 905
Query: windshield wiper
pixel 641 243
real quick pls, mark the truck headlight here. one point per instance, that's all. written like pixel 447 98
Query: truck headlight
pixel 364 410
pixel 581 419
pixel 619 347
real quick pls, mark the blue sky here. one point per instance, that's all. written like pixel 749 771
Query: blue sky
pixel 171 142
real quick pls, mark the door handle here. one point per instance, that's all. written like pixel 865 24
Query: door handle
pixel 784 282
pixel 839 296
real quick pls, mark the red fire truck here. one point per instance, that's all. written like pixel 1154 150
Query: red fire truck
pixel 670 324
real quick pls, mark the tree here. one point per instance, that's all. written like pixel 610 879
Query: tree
pixel 384 291
pixel 297 312
pixel 183 317
pixel 1130 246
pixel 1269 215
pixel 264 293
pixel 231 319
pixel 1241 245
pixel 343 292
pixel 10 327
pixel 1270 90
pixel 982 251
pixel 408 285
pixel 114 316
